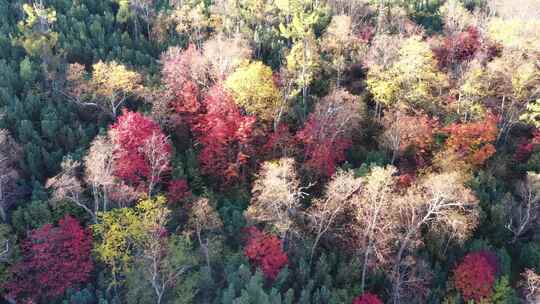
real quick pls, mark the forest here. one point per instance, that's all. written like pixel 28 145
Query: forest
pixel 270 151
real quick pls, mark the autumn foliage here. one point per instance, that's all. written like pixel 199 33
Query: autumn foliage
pixel 473 141
pixel 367 298
pixel 265 251
pixel 225 135
pixel 475 275
pixel 53 260
pixel 178 191
pixel 134 135
pixel 458 48
pixel 326 135
pixel 323 152
pixel 409 133
pixel 280 143
pixel 526 147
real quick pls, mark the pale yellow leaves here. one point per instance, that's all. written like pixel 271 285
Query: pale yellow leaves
pixel 253 88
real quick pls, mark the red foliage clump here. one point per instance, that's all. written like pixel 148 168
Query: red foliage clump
pixel 524 150
pixel 134 135
pixel 280 143
pixel 526 147
pixel 186 103
pixel 180 67
pixel 458 48
pixel 178 191
pixel 177 66
pixel 419 134
pixel 323 147
pixel 225 135
pixel 367 298
pixel 475 275
pixel 53 260
pixel 473 141
pixel 406 179
pixel 415 133
pixel 265 251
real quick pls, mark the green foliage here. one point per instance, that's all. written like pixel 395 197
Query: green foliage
pixel 533 163
pixel 27 71
pixel 31 216
pixel 249 289
pixel 530 256
pixel 8 241
pixel 301 50
pixel 37 35
pixel 503 292
pixel 87 295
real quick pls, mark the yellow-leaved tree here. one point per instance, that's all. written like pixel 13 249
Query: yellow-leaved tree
pixel 134 242
pixel 413 79
pixel 107 88
pixel 253 88
pixel 114 82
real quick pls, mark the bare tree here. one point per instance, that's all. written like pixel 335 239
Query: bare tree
pixel 144 9
pixel 439 200
pixel 67 186
pixel 99 177
pixel 204 219
pixel 403 130
pixel 225 55
pixel 7 239
pixel 108 88
pixel 337 115
pixel 156 150
pixel 374 218
pixel 325 211
pixel 342 44
pixel 530 286
pixel 456 17
pixel 276 192
pixel 358 10
pixel 524 213
pixel 391 138
pixel 527 9
pixel 98 169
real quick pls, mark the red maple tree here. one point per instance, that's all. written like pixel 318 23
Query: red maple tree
pixel 178 191
pixel 328 131
pixel 140 148
pixel 225 135
pixel 526 147
pixel 182 73
pixel 324 148
pixel 53 260
pixel 473 141
pixel 186 103
pixel 458 48
pixel 280 143
pixel 367 298
pixel 475 275
pixel 410 132
pixel 265 251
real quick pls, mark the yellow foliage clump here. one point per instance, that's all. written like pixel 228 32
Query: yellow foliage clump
pixel 253 88
pixel 111 79
pixel 413 79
